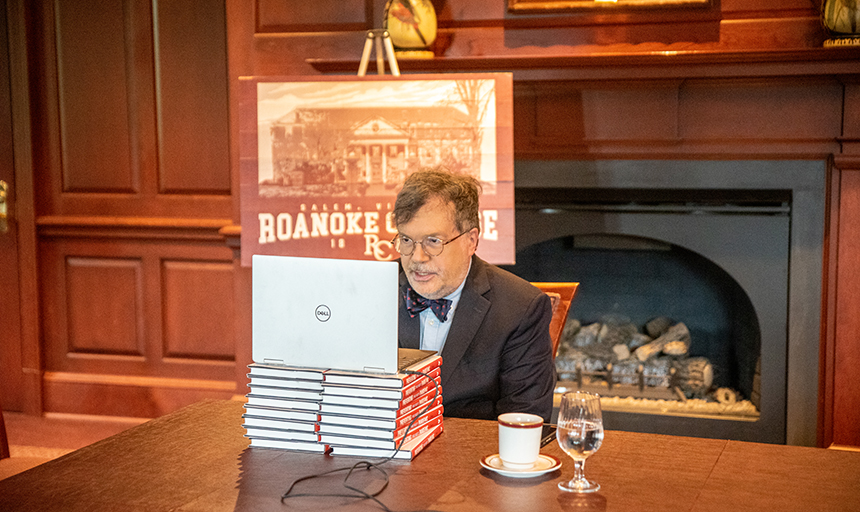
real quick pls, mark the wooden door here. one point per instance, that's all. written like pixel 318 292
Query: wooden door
pixel 132 186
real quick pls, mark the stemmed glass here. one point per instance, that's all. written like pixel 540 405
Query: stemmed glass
pixel 580 433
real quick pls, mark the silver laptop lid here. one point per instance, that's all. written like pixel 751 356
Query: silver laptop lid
pixel 325 313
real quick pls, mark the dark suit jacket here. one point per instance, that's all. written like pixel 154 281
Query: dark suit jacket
pixel 498 355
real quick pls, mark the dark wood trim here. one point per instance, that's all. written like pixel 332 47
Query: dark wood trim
pixel 18 14
pixel 132 227
pixel 241 49
pixel 814 61
pixel 842 345
pixel 828 311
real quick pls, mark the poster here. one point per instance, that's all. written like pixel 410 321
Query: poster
pixel 322 158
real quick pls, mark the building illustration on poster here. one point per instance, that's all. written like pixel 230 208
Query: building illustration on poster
pixel 331 156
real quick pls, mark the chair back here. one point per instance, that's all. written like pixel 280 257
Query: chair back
pixel 561 295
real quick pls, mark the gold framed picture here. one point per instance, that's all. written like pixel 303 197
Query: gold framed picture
pixel 539 6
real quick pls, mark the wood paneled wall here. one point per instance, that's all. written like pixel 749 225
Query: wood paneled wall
pixel 135 159
pixel 130 141
pixel 737 79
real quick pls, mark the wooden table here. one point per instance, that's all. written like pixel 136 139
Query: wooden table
pixel 197 459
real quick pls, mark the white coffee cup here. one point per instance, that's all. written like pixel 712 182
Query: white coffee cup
pixel 519 439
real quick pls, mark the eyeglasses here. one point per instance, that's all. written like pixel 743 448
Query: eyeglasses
pixel 431 245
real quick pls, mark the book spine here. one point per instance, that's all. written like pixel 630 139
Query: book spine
pixel 421 402
pixel 425 366
pixel 423 444
pixel 399 381
pixel 381 402
pixel 383 444
pixel 433 417
pixel 416 432
pixel 419 380
pixel 388 414
pixel 406 418
pixel 360 429
pixel 404 454
pixel 420 391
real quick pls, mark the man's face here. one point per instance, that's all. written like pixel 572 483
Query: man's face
pixel 434 277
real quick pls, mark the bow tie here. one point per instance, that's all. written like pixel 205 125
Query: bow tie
pixel 416 304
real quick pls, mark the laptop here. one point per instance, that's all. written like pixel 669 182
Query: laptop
pixel 326 313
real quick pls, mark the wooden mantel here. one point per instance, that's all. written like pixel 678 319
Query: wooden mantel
pixel 654 64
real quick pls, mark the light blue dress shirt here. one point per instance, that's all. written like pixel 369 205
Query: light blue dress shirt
pixel 433 332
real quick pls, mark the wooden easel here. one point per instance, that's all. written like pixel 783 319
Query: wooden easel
pixel 379 37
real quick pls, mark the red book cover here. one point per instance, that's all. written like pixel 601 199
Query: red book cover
pixel 359 429
pixel 371 442
pixel 379 392
pixel 408 395
pixel 415 402
pixel 398 380
pixel 407 452
pixel 378 423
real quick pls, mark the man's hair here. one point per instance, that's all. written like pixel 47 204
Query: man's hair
pixel 438 183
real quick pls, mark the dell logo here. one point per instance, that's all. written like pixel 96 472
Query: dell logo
pixel 323 313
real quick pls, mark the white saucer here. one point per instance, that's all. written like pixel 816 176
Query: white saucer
pixel 542 466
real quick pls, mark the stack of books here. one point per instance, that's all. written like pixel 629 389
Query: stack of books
pixel 282 408
pixel 345 413
pixel 373 415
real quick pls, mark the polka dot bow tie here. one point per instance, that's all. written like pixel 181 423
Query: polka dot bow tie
pixel 416 304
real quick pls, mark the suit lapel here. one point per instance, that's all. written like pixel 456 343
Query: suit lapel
pixel 470 313
pixel 408 329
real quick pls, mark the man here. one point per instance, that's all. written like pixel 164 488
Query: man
pixel 493 334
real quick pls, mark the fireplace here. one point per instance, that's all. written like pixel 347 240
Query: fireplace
pixel 729 249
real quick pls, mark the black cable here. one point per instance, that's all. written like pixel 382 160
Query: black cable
pixel 368 465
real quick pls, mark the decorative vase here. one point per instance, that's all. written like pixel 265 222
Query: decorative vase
pixel 841 18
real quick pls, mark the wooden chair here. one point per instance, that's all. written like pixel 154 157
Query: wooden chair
pixel 561 295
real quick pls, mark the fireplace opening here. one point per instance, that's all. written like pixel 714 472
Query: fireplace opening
pixel 656 327
pixel 726 256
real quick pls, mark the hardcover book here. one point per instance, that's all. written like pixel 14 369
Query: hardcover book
pixel 282 435
pixel 397 380
pixel 311 385
pixel 361 429
pixel 383 413
pixel 284 372
pixel 379 392
pixel 279 424
pixel 407 452
pixel 378 423
pixel 384 403
pixel 283 403
pixel 281 413
pixel 366 441
pixel 284 392
pixel 265 442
